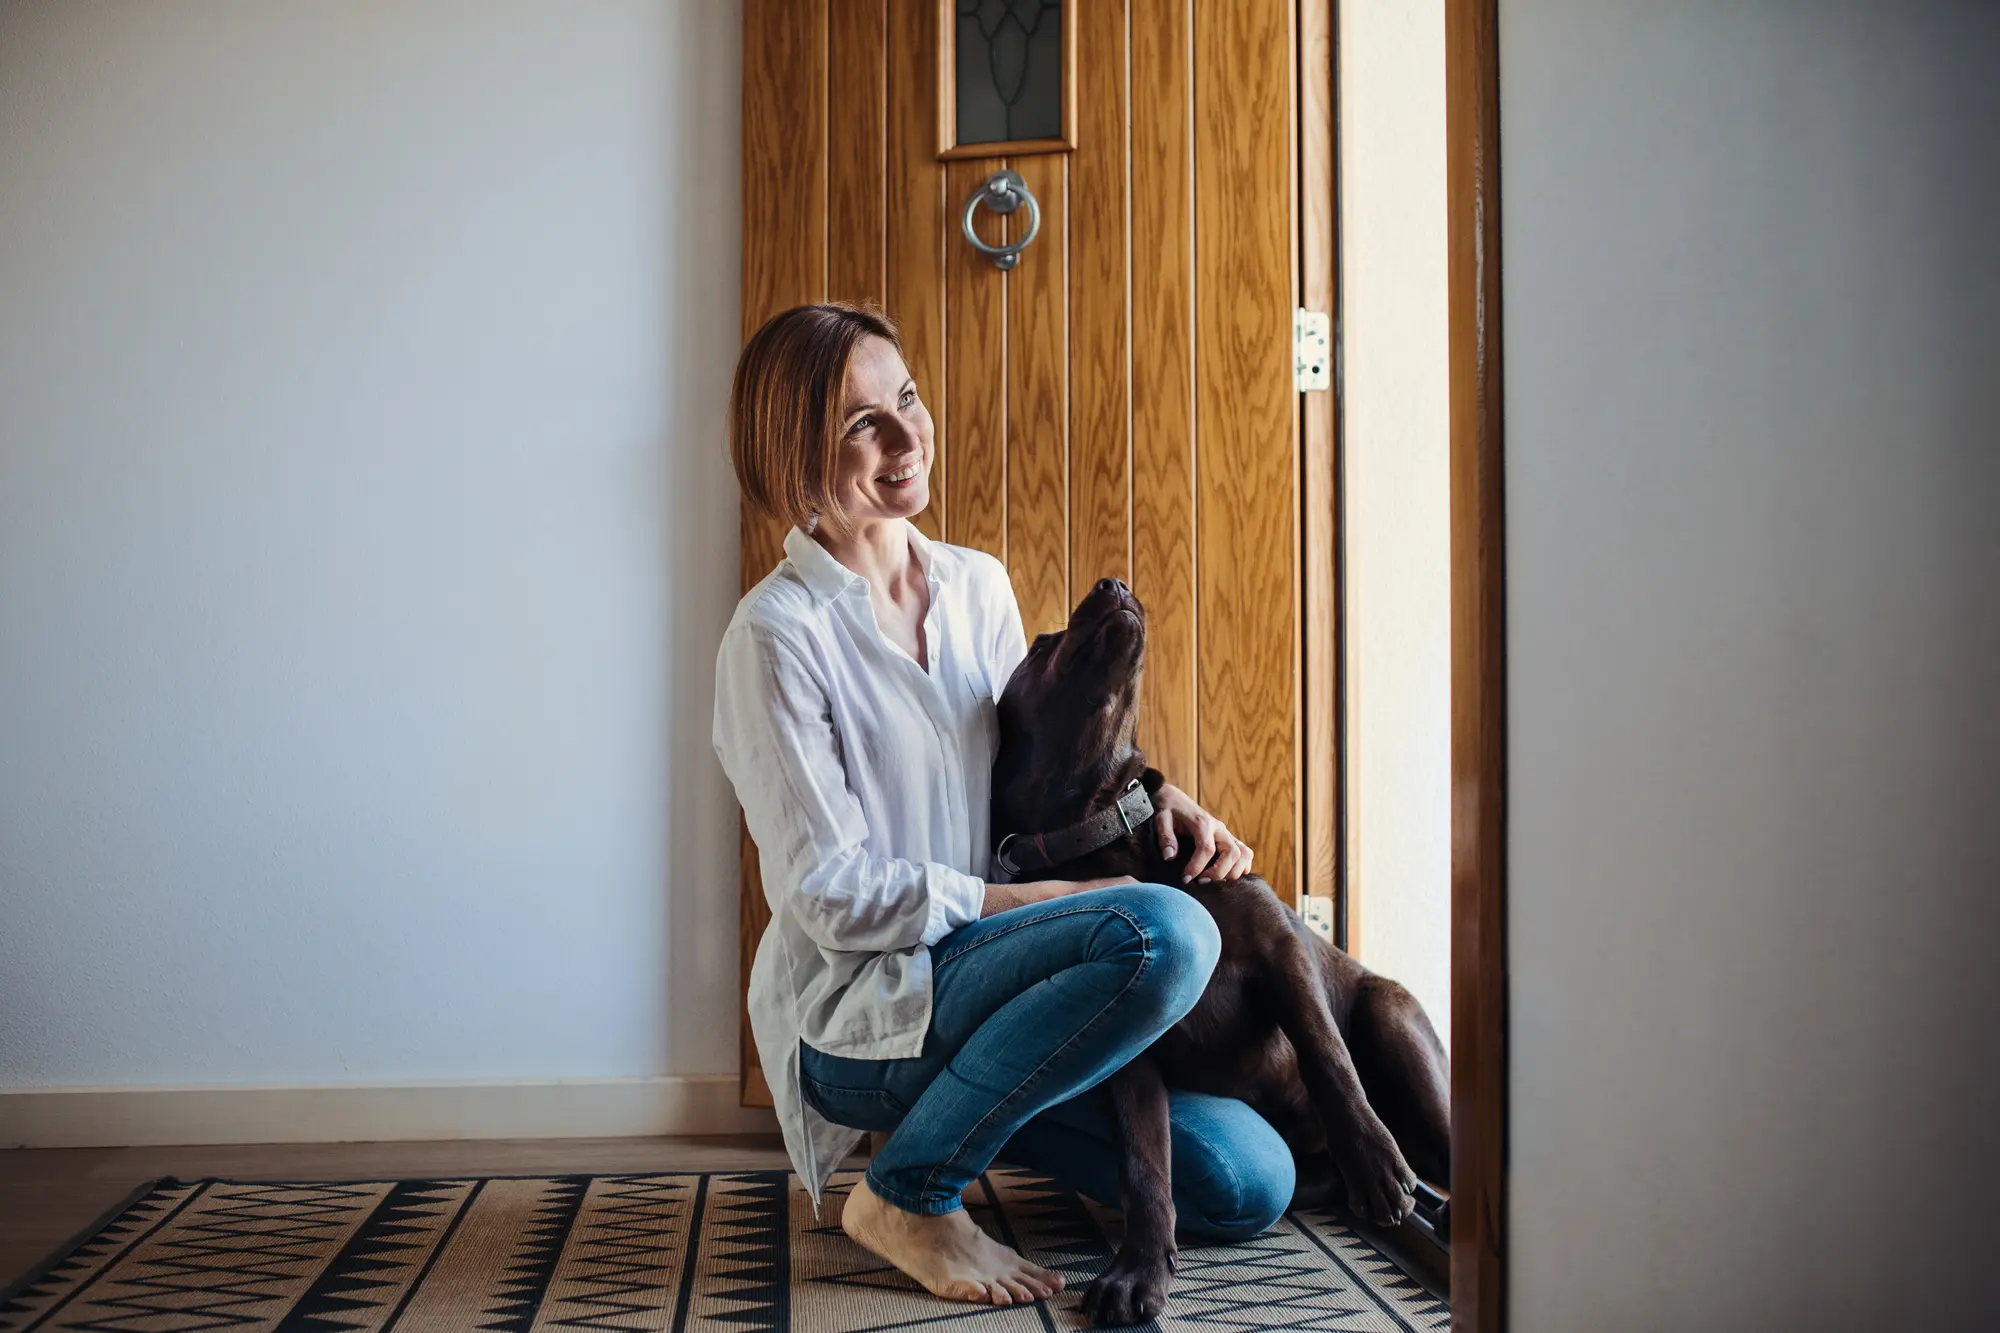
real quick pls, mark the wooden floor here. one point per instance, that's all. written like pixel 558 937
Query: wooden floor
pixel 48 1195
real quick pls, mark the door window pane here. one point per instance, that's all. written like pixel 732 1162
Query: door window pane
pixel 1008 70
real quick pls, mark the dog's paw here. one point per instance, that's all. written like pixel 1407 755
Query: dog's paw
pixel 1131 1291
pixel 1380 1185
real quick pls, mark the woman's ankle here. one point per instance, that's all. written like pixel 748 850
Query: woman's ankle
pixel 916 1204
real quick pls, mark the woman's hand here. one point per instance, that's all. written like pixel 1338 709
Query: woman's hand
pixel 1216 853
pixel 1000 897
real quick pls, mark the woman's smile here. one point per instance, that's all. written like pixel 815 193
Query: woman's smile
pixel 886 439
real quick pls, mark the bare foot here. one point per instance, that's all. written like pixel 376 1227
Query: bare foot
pixel 947 1253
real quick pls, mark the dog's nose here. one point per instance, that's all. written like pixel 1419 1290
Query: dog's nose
pixel 1113 586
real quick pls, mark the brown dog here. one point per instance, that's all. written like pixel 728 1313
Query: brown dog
pixel 1343 1063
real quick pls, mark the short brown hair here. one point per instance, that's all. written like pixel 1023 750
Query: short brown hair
pixel 784 407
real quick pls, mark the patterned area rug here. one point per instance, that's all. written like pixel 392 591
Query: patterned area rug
pixel 737 1251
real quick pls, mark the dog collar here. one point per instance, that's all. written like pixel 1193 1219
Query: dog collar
pixel 1019 852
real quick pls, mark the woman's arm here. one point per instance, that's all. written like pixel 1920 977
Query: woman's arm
pixel 775 736
pixel 1000 897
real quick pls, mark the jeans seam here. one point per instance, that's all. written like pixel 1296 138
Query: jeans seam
pixel 832 1093
pixel 1145 965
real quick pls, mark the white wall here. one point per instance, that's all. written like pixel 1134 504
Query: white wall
pixel 1396 439
pixel 1752 373
pixel 366 530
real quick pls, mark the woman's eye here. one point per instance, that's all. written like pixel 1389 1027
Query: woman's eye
pixel 864 423
pixel 909 396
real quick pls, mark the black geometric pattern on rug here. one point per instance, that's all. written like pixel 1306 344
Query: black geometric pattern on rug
pixel 735 1251
pixel 519 1295
pixel 620 1259
pixel 748 1238
pixel 377 1262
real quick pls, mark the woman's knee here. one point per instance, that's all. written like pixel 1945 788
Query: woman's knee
pixel 1178 936
pixel 1233 1174
pixel 1254 1207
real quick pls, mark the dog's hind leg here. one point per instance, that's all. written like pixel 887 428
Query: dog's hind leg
pixel 1134 1288
pixel 1406 1073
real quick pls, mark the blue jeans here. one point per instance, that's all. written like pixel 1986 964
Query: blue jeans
pixel 1029 1009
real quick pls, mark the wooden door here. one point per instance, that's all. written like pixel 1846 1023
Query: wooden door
pixel 1122 402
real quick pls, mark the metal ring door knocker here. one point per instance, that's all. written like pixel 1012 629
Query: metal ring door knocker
pixel 1003 192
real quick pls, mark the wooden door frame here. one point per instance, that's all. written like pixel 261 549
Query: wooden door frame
pixel 1478 624
pixel 1322 748
pixel 1478 673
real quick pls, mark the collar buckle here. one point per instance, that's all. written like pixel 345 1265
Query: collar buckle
pixel 1125 796
pixel 1006 861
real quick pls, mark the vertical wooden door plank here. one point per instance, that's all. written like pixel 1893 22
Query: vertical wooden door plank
pixel 1163 493
pixel 1478 671
pixel 1100 438
pixel 975 372
pixel 784 191
pixel 1247 427
pixel 784 264
pixel 856 150
pixel 1037 403
pixel 915 226
pixel 1319 485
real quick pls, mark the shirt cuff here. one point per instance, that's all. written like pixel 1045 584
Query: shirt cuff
pixel 956 898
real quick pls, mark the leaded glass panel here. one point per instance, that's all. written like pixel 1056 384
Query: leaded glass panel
pixel 1008 70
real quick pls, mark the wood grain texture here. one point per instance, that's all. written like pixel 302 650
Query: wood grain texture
pixel 1038 404
pixel 1163 491
pixel 784 264
pixel 1478 673
pixel 1007 147
pixel 784 192
pixel 856 150
pixel 1247 428
pixel 1319 486
pixel 1100 435
pixel 975 371
pixel 916 227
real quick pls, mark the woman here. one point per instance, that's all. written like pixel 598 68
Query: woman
pixel 897 988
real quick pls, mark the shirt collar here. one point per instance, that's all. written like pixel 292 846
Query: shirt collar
pixel 827 578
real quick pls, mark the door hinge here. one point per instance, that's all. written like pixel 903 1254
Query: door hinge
pixel 1312 351
pixel 1317 909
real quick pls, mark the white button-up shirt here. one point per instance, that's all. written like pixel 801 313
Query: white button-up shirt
pixel 865 780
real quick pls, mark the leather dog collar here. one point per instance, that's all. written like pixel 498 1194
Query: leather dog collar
pixel 1019 852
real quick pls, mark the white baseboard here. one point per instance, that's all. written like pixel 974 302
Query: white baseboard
pixel 550 1109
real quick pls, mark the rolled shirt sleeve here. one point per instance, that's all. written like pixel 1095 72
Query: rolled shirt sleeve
pixel 776 739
